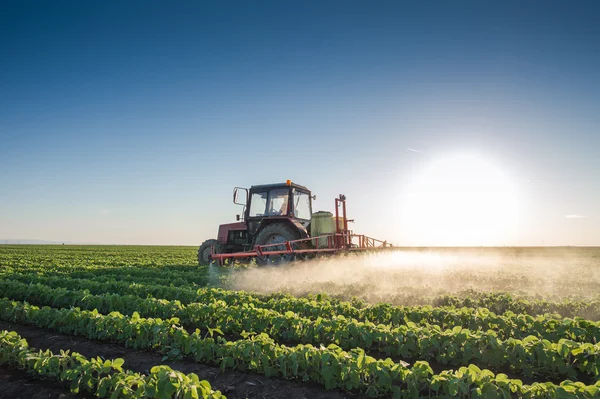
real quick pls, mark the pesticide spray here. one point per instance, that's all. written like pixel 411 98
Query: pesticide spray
pixel 410 277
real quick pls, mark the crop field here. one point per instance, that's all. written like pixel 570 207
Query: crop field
pixel 128 322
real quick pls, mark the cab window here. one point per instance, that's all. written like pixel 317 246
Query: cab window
pixel 302 205
pixel 258 204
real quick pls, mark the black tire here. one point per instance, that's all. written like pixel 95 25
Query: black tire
pixel 276 233
pixel 204 251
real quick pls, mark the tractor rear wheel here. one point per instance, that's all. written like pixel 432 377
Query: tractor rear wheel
pixel 276 233
pixel 205 250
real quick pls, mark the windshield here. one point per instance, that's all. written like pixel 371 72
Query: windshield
pixel 278 202
pixel 269 203
pixel 302 205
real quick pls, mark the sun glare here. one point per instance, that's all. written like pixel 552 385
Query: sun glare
pixel 460 200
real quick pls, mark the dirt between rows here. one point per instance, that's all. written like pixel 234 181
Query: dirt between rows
pixel 16 384
pixel 234 384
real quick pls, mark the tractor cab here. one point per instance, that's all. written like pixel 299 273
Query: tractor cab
pixel 273 202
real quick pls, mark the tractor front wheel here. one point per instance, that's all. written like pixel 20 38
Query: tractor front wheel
pixel 276 233
pixel 205 250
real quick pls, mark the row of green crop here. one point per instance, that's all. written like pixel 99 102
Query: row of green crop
pixel 75 256
pixel 509 325
pixel 500 302
pixel 531 356
pixel 103 378
pixel 192 281
pixel 184 276
pixel 331 366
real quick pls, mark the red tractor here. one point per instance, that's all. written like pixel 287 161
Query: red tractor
pixel 278 224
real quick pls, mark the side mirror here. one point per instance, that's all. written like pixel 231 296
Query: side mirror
pixel 236 192
pixel 314 197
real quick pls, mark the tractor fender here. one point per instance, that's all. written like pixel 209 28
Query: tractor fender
pixel 301 228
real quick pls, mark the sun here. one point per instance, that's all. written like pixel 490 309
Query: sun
pixel 460 200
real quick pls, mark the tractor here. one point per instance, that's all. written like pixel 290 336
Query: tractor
pixel 277 224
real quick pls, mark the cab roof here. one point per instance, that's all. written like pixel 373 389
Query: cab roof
pixel 278 185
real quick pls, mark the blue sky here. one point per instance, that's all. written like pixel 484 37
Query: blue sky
pixel 130 122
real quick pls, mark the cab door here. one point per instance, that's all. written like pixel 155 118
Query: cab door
pixel 267 204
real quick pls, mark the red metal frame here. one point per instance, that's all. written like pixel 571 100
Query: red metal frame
pixel 224 230
pixel 341 241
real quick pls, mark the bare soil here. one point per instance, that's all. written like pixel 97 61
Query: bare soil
pixel 234 384
pixel 16 384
